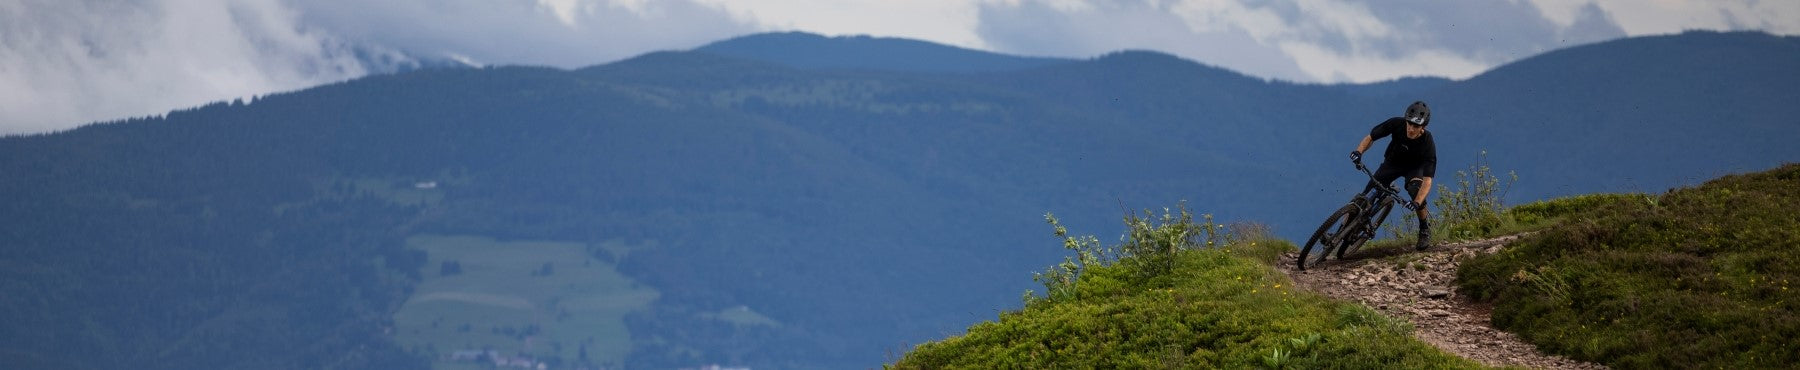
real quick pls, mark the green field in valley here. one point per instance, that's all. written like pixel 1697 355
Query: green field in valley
pixel 545 301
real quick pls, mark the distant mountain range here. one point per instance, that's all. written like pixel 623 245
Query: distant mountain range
pixel 858 193
pixel 811 51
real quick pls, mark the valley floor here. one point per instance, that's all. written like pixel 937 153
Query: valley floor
pixel 1420 287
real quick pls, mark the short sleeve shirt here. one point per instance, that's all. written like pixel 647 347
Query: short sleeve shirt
pixel 1401 151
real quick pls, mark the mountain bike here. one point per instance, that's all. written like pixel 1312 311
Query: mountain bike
pixel 1353 224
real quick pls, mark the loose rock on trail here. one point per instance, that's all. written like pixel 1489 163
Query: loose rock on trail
pixel 1420 287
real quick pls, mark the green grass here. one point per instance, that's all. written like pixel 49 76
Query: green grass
pixel 1529 217
pixel 502 297
pixel 1543 214
pixel 1697 277
pixel 1216 308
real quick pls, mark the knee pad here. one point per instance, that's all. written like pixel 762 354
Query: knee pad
pixel 1412 187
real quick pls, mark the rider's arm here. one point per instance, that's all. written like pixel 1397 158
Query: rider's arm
pixel 1380 130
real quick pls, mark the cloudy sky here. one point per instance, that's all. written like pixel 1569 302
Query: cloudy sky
pixel 64 63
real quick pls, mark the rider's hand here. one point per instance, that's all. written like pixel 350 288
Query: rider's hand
pixel 1356 157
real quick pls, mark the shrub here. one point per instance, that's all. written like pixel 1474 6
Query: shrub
pixel 1149 247
pixel 1162 299
pixel 1471 209
pixel 1547 212
pixel 1697 277
pixel 1150 244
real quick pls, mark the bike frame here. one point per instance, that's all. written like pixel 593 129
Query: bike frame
pixel 1370 214
pixel 1386 196
pixel 1353 224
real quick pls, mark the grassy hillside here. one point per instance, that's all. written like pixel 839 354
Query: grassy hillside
pixel 1168 300
pixel 556 302
pixel 1696 277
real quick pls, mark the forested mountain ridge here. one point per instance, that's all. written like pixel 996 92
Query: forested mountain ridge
pixel 810 51
pixel 855 207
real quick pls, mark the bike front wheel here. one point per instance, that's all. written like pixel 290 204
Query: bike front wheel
pixel 1329 236
pixel 1367 232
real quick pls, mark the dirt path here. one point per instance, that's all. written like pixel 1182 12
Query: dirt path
pixel 1420 287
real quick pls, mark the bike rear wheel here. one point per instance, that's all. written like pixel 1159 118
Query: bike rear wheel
pixel 1329 236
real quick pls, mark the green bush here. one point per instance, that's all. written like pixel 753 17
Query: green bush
pixel 1472 209
pixel 1697 277
pixel 1163 299
pixel 1547 212
pixel 1151 241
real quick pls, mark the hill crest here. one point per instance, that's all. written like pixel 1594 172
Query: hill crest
pixel 813 51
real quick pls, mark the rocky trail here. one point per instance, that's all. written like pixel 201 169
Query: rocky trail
pixel 1420 287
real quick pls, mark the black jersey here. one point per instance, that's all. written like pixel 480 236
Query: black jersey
pixel 1407 153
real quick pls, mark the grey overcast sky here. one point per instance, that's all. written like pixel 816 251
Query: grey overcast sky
pixel 64 63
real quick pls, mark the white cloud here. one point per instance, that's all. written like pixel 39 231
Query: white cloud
pixel 1298 32
pixel 1561 12
pixel 1222 16
pixel 1351 20
pixel 949 22
pixel 567 11
pixel 1302 40
pixel 1332 65
pixel 1640 17
pixel 1216 34
pixel 66 62
pixel 561 33
pixel 1304 19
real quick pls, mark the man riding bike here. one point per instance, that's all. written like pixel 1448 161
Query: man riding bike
pixel 1412 153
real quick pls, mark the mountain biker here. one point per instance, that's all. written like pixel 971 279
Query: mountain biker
pixel 1411 153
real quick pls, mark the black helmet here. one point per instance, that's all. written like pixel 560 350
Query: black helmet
pixel 1418 113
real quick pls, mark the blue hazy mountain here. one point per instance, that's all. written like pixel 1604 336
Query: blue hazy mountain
pixel 806 50
pixel 1640 114
pixel 1399 87
pixel 860 194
